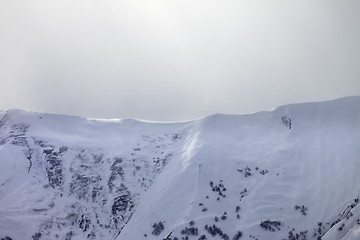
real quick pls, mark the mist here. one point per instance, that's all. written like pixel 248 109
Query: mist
pixel 175 60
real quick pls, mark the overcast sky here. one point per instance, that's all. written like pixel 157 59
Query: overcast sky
pixel 175 60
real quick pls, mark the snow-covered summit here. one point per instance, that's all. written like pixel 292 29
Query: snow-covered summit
pixel 290 173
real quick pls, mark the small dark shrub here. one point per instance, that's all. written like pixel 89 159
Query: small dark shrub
pixel 302 209
pixel 297 236
pixel 190 231
pixel 6 238
pixel 238 235
pixel 271 225
pixel 157 228
pixel 341 227
pixel 36 236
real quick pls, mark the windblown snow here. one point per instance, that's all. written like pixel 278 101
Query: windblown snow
pixel 288 174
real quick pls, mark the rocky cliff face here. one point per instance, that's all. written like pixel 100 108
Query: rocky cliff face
pixel 291 173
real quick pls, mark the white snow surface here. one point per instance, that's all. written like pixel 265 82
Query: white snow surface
pixel 295 169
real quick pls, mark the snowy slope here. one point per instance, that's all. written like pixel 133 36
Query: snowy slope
pixel 290 173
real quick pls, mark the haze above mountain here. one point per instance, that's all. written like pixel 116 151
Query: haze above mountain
pixel 291 173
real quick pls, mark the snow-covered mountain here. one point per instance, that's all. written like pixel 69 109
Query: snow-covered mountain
pixel 287 174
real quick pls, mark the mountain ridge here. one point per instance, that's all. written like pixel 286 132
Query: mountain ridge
pixel 14 110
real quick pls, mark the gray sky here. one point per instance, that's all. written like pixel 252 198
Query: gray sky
pixel 175 60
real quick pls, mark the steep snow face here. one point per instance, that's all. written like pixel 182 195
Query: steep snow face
pixel 71 178
pixel 291 173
